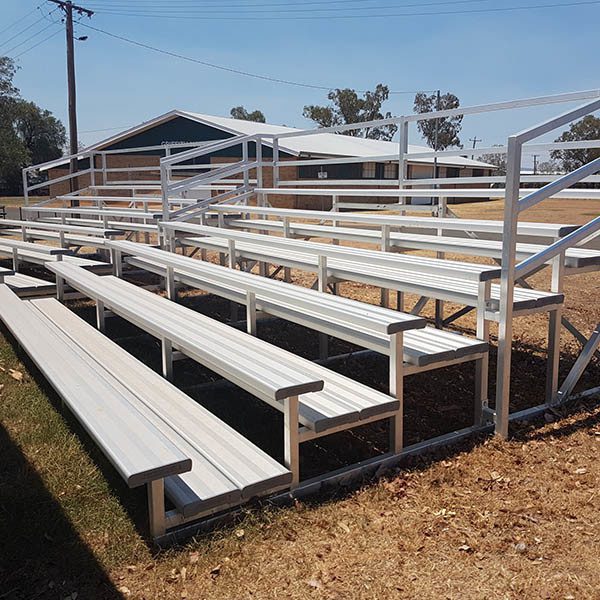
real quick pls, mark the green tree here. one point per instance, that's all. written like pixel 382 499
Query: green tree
pixel 239 112
pixel 43 135
pixel 587 128
pixel 28 134
pixel 346 108
pixel 439 133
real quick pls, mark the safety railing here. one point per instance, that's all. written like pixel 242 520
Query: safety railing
pixel 238 170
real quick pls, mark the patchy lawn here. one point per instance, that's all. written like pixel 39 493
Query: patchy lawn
pixel 487 519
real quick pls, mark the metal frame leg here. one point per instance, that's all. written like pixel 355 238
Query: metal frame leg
pixel 156 507
pixel 100 316
pixel 482 365
pixel 396 389
pixel 291 438
pixel 167 359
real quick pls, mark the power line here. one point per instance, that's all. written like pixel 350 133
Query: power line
pixel 237 17
pixel 19 20
pixel 224 68
pixel 29 38
pixel 263 8
pixel 10 39
pixel 38 44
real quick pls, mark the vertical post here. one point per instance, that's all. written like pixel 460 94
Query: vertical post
pixel 100 316
pixel 291 438
pixel 554 330
pixel 73 141
pixel 164 186
pixel 259 170
pixel 507 284
pixel 60 288
pixel 322 287
pixel 93 169
pixel 15 259
pixel 117 262
pixel 104 172
pixel 246 174
pixel 396 390
pixel 482 365
pixel 25 187
pixel 275 162
pixel 251 313
pixel 231 253
pixel 385 247
pixel 167 358
pixel 402 164
pixel 156 507
pixel 287 271
pixel 170 283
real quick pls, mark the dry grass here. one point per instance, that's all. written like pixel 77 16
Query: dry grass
pixel 488 519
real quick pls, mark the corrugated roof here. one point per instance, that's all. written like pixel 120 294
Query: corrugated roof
pixel 321 144
pixel 325 144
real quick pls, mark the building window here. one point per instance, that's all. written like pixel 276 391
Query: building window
pixel 477 172
pixel 390 170
pixel 452 172
pixel 369 170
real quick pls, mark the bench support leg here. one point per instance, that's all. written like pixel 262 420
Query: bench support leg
pixel 156 507
pixel 60 288
pixel 400 301
pixel 482 365
pixel 100 316
pixel 291 438
pixel 170 285
pixel 397 390
pixel 167 359
pixel 251 313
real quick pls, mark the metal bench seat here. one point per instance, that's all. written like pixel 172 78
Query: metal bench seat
pixel 68 239
pixel 26 286
pixel 356 322
pixel 227 469
pixel 139 452
pixel 575 258
pixel 266 371
pixel 452 289
pixel 39 254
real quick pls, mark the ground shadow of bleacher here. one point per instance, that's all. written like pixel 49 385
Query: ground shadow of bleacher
pixel 41 554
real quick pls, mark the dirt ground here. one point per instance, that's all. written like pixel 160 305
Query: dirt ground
pixel 485 519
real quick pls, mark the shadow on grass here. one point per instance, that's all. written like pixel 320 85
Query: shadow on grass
pixel 41 554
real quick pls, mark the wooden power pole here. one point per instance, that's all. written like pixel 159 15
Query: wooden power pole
pixel 68 7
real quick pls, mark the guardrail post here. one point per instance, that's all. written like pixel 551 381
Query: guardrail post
pixel 275 162
pixel 15 259
pixel 25 186
pixel 164 186
pixel 402 151
pixel 554 330
pixel 322 287
pixel 246 173
pixel 104 173
pixel 507 284
pixel 259 169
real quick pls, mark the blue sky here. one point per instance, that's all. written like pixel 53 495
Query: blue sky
pixel 482 57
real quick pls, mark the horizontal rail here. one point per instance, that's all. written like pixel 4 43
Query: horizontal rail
pixel 582 235
pixel 469 110
pixel 206 178
pixel 560 185
pixel 43 184
pixel 212 147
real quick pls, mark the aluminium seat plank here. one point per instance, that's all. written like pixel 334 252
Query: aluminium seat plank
pixel 443 288
pixel 225 466
pixel 203 339
pixel 135 448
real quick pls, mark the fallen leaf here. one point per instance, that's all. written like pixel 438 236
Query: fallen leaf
pixel 215 571
pixel 344 527
pixel 125 590
pixel 314 583
pixel 194 557
pixel 240 533
pixel 17 375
